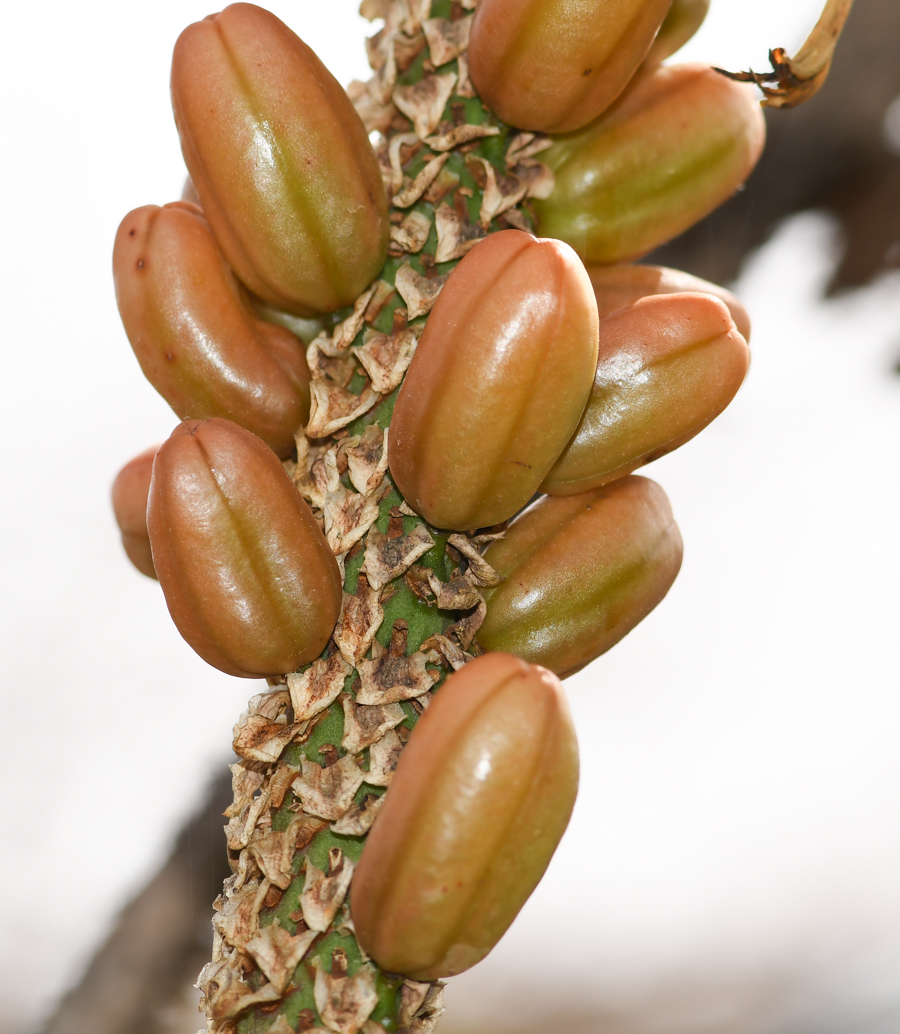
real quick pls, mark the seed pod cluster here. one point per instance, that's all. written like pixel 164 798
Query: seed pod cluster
pixel 375 395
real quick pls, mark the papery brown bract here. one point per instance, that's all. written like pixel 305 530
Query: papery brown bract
pixel 617 286
pixel 129 499
pixel 678 142
pixel 580 572
pixel 668 365
pixel 555 65
pixel 247 574
pixel 498 382
pixel 280 160
pixel 194 333
pixel 477 805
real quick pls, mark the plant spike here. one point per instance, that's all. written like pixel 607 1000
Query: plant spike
pixel 302 805
pixel 801 77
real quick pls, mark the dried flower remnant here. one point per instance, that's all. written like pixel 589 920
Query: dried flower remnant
pixel 364 724
pixel 344 1002
pixel 389 557
pixel 278 953
pixel 324 892
pixel 317 687
pixel 358 820
pixel 424 102
pixel 392 675
pixel 328 792
pixel 417 291
pixel 361 617
pixel 797 79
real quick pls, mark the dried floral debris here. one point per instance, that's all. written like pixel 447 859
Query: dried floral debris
pixel 318 686
pixel 392 675
pixel 423 103
pixel 364 724
pixel 419 292
pixel 344 1002
pixel 278 953
pixel 324 892
pixel 328 792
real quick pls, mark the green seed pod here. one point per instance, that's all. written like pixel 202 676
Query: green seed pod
pixel 581 572
pixel 668 366
pixel 129 500
pixel 498 382
pixel 248 576
pixel 554 65
pixel 280 160
pixel 478 804
pixel 618 286
pixel 683 20
pixel 194 333
pixel 677 143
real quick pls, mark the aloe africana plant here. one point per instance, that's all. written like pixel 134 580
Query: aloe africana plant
pixel 318 749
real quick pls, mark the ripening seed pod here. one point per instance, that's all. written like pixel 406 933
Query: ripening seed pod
pixel 668 366
pixel 683 20
pixel 477 805
pixel 498 382
pixel 280 160
pixel 580 572
pixel 248 577
pixel 129 500
pixel 618 286
pixel 554 65
pixel 192 329
pixel 678 142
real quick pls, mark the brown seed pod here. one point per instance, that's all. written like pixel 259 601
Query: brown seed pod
pixel 477 805
pixel 248 577
pixel 580 572
pixel 678 142
pixel 129 500
pixel 498 382
pixel 554 65
pixel 280 160
pixel 618 286
pixel 193 331
pixel 668 365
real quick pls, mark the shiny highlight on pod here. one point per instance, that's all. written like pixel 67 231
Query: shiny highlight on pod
pixel 192 328
pixel 280 161
pixel 248 577
pixel 478 804
pixel 580 573
pixel 555 65
pixel 668 365
pixel 678 142
pixel 498 383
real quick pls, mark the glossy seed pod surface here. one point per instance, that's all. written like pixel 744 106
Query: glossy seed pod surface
pixel 498 382
pixel 129 500
pixel 555 65
pixel 478 803
pixel 194 333
pixel 280 160
pixel 681 23
pixel 668 366
pixel 248 576
pixel 676 144
pixel 581 572
pixel 617 286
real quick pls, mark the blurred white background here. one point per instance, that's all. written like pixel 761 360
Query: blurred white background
pixel 739 820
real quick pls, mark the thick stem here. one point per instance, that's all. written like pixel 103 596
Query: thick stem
pixel 285 954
